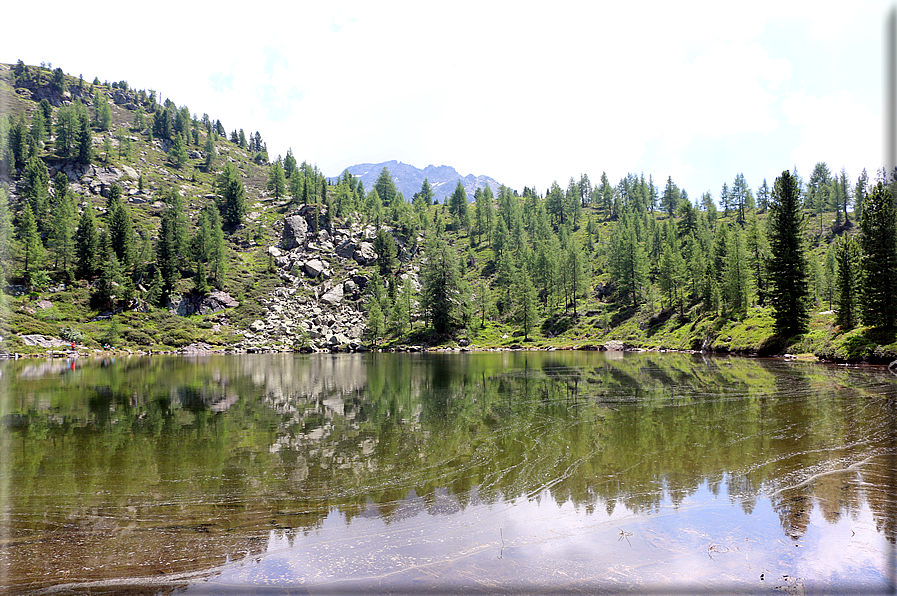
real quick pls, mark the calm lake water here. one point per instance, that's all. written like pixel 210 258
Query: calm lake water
pixel 469 473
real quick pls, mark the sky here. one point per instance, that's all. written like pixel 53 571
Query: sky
pixel 527 93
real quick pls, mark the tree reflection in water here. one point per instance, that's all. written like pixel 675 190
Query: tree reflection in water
pixel 155 466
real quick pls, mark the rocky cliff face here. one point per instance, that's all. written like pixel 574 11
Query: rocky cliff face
pixel 408 179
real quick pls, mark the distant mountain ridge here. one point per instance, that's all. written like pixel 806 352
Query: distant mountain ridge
pixel 408 179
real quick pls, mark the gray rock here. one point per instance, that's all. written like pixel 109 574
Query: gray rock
pixel 346 249
pixel 365 254
pixel 295 229
pixel 334 295
pixel 350 287
pixel 43 341
pixel 314 267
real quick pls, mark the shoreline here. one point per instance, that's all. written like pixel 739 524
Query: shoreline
pixel 204 350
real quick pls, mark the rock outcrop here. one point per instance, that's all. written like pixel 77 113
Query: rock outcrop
pixel 319 307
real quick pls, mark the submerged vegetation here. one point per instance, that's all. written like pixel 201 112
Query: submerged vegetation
pixel 117 205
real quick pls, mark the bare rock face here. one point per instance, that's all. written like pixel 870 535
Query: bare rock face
pixel 43 341
pixel 204 305
pixel 295 229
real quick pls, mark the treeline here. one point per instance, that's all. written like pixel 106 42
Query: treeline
pixel 637 246
pixel 508 257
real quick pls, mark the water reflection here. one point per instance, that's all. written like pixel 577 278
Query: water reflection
pixel 166 466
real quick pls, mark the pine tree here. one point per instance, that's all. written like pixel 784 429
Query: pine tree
pixel 787 266
pixel 37 181
pixel 859 194
pixel 62 223
pixel 290 164
pixel 763 196
pixel 758 252
pixel 526 303
pixel 878 241
pixel 110 273
pixel 233 196
pixel 385 247
pixel 670 199
pixel 87 244
pixel 386 188
pixel 277 182
pixel 628 267
pixel 376 324
pixel 457 205
pixel 847 259
pixel 736 274
pixel 32 247
pixel 442 293
pixel 121 232
pixel 84 139
pixel 178 152
pixel 672 271
pixel 6 235
pixel 210 154
pixel 576 265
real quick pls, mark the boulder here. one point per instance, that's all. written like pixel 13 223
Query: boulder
pixel 295 229
pixel 346 249
pixel 334 295
pixel 43 341
pixel 365 254
pixel 314 267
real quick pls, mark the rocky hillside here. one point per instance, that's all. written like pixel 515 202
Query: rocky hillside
pixel 408 179
pixel 292 282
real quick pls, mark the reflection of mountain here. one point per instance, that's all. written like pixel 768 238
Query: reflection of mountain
pixel 213 453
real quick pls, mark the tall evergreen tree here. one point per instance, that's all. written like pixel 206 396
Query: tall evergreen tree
pixel 277 182
pixel 62 223
pixel 670 198
pixel 736 275
pixel 87 244
pixel 386 188
pixel 878 241
pixel 6 235
pixel 84 139
pixel 121 231
pixel 457 205
pixel 232 202
pixel 848 258
pixel 32 247
pixel 787 266
pixel 209 153
pixel 442 295
pixel 37 182
pixel 627 262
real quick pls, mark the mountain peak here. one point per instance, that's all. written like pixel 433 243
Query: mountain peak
pixel 408 179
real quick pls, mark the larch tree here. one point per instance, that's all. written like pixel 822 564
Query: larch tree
pixel 847 259
pixel 277 182
pixel 232 202
pixel 878 241
pixel 386 188
pixel 87 244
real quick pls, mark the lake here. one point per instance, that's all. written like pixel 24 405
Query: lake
pixel 519 472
